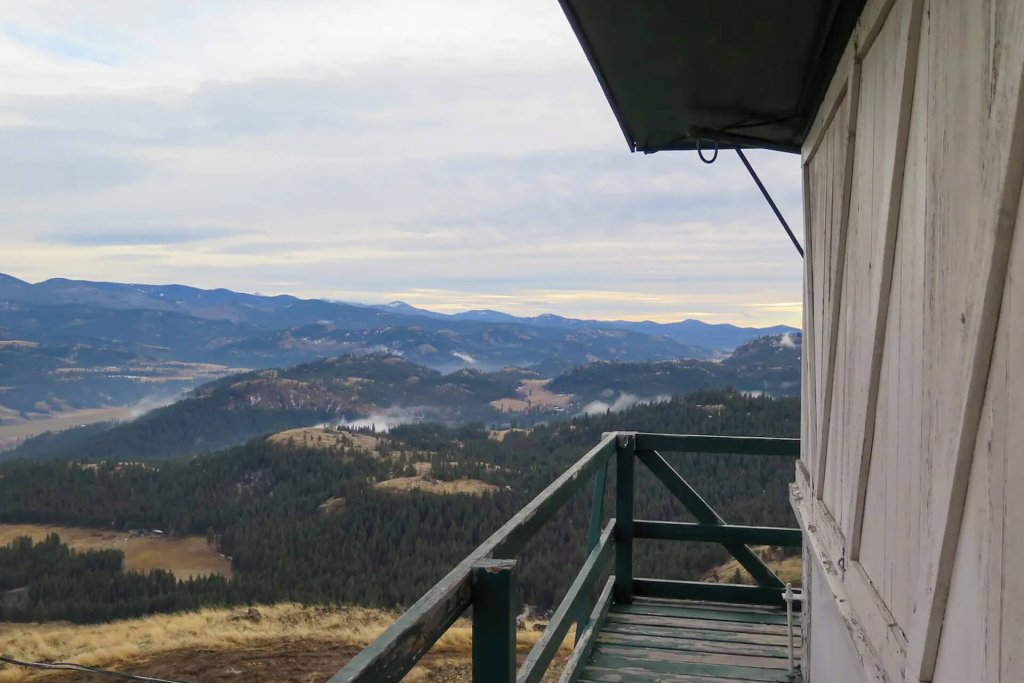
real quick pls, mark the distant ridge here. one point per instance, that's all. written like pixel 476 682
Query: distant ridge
pixel 181 323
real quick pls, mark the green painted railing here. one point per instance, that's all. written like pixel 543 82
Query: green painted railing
pixel 485 580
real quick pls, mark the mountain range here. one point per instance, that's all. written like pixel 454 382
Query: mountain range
pixel 251 330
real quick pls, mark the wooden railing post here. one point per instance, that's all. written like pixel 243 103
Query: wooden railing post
pixel 494 621
pixel 596 512
pixel 625 458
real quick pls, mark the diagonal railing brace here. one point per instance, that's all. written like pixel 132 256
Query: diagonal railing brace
pixel 705 514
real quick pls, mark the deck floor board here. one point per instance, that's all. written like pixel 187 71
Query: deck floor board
pixel 692 642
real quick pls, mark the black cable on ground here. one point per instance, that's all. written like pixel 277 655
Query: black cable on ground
pixel 66 666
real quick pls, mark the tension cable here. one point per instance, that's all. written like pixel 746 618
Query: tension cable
pixel 771 202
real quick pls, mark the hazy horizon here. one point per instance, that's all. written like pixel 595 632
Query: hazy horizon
pixel 453 155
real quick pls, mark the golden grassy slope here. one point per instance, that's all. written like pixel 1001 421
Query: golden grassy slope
pixel 532 393
pixel 789 569
pixel 321 437
pixel 472 487
pixel 222 644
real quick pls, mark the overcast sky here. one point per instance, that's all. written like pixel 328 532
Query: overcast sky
pixel 454 155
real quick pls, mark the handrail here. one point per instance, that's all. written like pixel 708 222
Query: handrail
pixel 701 443
pixel 481 577
pixel 717 533
pixel 542 653
pixel 397 650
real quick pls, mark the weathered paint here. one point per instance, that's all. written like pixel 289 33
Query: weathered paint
pixel 488 583
pixel 625 463
pixel 593 536
pixel 717 533
pixel 586 640
pixel 398 649
pixel 913 352
pixel 494 621
pixel 543 652
pixel 699 443
pixel 710 592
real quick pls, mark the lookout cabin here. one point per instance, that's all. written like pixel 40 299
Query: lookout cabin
pixel 908 479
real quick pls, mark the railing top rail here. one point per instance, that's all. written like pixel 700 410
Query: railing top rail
pixel 398 649
pixel 699 443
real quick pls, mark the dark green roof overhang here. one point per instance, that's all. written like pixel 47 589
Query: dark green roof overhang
pixel 680 74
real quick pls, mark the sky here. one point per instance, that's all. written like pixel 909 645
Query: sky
pixel 453 155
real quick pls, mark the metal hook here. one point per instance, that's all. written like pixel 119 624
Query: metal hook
pixel 700 152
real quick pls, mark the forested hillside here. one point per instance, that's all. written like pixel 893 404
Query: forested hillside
pixel 387 388
pixel 768 364
pixel 304 521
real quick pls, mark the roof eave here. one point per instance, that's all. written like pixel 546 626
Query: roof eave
pixel 570 14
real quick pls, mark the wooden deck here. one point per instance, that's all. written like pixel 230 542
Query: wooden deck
pixel 639 629
pixel 674 641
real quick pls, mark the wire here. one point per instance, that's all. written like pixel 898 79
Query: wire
pixel 771 202
pixel 65 666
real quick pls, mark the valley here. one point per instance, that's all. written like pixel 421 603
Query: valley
pixel 175 456
pixel 383 390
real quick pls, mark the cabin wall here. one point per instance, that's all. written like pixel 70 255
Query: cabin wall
pixel 911 481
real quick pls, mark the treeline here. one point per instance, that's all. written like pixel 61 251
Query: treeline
pixel 46 581
pixel 261 503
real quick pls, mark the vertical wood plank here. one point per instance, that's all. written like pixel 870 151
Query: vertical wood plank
pixel 831 297
pixel 909 36
pixel 593 536
pixel 977 161
pixel 875 157
pixel 891 523
pixel 494 621
pixel 625 463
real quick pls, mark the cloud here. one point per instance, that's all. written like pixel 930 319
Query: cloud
pixel 384 420
pixel 39 161
pixel 455 151
pixel 624 401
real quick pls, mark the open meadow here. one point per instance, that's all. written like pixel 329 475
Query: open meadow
pixel 184 556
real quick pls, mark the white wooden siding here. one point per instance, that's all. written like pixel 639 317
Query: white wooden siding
pixel 911 481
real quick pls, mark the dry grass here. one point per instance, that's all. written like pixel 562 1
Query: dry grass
pixel 789 569
pixel 500 434
pixel 532 393
pixel 321 437
pixel 13 434
pixel 222 636
pixel 114 643
pixel 185 556
pixel 330 437
pixel 473 487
